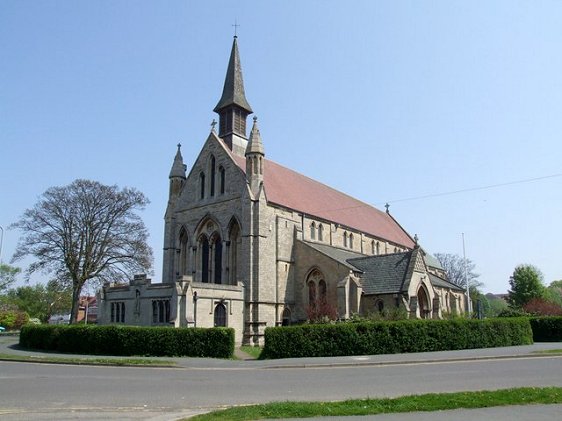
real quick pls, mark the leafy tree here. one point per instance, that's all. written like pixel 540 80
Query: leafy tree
pixel 526 284
pixel 7 276
pixel 453 264
pixel 478 297
pixel 41 301
pixel 497 305
pixel 85 231
pixel 553 292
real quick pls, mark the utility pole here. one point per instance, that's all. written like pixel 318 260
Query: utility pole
pixel 1 242
pixel 468 302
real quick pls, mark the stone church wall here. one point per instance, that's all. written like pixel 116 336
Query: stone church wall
pixel 308 260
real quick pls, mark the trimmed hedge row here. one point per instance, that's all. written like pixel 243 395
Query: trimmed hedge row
pixel 546 329
pixel 369 338
pixel 130 340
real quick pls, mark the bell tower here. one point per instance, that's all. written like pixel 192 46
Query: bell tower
pixel 233 108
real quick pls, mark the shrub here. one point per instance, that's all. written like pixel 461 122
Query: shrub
pixel 546 329
pixel 321 312
pixel 13 319
pixel 542 307
pixel 393 337
pixel 512 312
pixel 130 340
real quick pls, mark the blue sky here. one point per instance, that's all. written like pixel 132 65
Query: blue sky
pixel 382 100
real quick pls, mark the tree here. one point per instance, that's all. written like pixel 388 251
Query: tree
pixel 85 231
pixel 7 276
pixel 497 305
pixel 41 301
pixel 453 265
pixel 554 292
pixel 526 284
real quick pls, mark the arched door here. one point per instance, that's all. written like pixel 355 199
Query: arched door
pixel 423 303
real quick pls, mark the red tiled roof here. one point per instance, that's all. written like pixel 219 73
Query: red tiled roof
pixel 295 191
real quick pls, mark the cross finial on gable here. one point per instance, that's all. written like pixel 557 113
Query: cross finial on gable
pixel 213 124
pixel 387 206
pixel 179 146
pixel 416 239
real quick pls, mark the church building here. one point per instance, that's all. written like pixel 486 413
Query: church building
pixel 249 244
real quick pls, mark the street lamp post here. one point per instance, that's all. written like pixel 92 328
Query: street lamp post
pixel 1 242
pixel 468 301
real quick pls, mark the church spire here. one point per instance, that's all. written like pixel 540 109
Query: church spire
pixel 233 108
pixel 233 90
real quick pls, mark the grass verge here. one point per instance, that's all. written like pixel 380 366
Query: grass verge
pixel 147 362
pixel 427 402
pixel 254 351
pixel 549 351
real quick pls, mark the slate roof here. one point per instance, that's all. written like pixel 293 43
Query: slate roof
pixel 295 191
pixel 337 254
pixel 440 282
pixel 383 274
pixel 431 261
pixel 233 90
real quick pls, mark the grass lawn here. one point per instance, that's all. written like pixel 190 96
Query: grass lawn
pixel 147 362
pixel 254 351
pixel 427 402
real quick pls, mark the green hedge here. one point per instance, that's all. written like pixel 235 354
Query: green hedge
pixel 546 329
pixel 130 340
pixel 369 338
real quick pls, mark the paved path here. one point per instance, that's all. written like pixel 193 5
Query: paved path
pixel 8 345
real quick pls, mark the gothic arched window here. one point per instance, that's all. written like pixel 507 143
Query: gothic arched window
pixel 322 291
pixel 217 258
pixel 183 258
pixel 320 233
pixel 212 175
pixel 313 231
pixel 222 174
pixel 345 239
pixel 311 293
pixel 202 185
pixel 204 258
pixel 233 249
pixel 316 288
pixel 350 241
pixel 377 248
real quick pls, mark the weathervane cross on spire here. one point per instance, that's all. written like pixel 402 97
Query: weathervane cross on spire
pixel 235 28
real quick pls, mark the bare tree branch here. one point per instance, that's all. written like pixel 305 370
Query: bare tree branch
pixel 85 231
pixel 453 265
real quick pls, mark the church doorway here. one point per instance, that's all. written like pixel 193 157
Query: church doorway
pixel 220 315
pixel 423 303
pixel 286 317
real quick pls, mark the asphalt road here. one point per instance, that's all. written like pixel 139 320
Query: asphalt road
pixel 43 391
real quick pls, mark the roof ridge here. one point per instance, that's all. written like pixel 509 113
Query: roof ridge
pixel 370 256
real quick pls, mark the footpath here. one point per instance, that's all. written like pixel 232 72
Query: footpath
pixel 9 346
